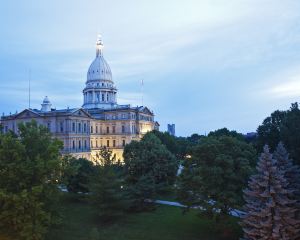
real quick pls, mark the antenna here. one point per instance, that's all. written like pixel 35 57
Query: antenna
pixel 142 93
pixel 29 80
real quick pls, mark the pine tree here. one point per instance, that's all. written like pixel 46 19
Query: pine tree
pixel 108 196
pixel 291 173
pixel 270 214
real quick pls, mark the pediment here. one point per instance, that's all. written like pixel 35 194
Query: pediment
pixel 81 112
pixel 27 113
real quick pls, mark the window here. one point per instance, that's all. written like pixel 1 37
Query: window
pixel 123 129
pixel 49 126
pixel 91 129
pixel 85 145
pixel 79 144
pixel 91 143
pixel 73 144
pixel 84 127
pixel 114 129
pixel 79 127
pixel 123 143
pixel 98 97
pixel 123 116
pixel 107 129
pixel 114 143
pixel 96 143
pixel 61 127
pixel 73 127
pixel 96 128
pixel 107 143
pixel 107 97
pixel 102 95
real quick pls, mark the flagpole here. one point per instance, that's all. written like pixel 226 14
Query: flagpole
pixel 29 80
pixel 142 93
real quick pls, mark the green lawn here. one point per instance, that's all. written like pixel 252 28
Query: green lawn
pixel 165 223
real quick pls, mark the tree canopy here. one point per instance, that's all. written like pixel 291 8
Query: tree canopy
pixel 30 168
pixel 216 174
pixel 149 166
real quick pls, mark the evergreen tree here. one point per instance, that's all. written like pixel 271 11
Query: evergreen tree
pixel 108 195
pixel 78 177
pixel 291 173
pixel 270 213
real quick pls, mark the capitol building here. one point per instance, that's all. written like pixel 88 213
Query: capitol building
pixel 101 121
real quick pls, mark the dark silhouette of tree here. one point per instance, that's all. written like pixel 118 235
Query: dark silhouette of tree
pixel 270 213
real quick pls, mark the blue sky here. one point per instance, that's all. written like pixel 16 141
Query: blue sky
pixel 205 64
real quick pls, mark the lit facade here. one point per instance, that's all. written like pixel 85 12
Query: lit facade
pixel 101 121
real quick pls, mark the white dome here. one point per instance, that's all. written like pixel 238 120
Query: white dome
pixel 99 70
pixel 99 91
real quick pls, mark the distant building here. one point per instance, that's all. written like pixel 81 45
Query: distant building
pixel 99 122
pixel 171 129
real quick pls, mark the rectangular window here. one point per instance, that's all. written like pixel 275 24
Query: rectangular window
pixel 96 128
pixel 114 129
pixel 79 127
pixel 123 143
pixel 49 126
pixel 107 143
pixel 61 127
pixel 84 127
pixel 114 143
pixel 91 129
pixel 79 144
pixel 73 127
pixel 123 129
pixel 92 143
pixel 85 146
pixel 96 143
pixel 107 129
pixel 73 144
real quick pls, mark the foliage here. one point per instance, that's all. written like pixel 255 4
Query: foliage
pixel 291 173
pixel 108 196
pixel 282 126
pixel 149 167
pixel 78 175
pixel 30 168
pixel 216 174
pixel 225 132
pixel 270 211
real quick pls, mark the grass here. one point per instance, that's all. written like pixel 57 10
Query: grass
pixel 166 223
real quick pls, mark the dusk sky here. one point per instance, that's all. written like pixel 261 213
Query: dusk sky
pixel 205 64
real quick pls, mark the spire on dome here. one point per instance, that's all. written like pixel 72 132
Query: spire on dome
pixel 99 46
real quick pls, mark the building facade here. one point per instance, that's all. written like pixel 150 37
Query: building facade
pixel 101 121
pixel 171 129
